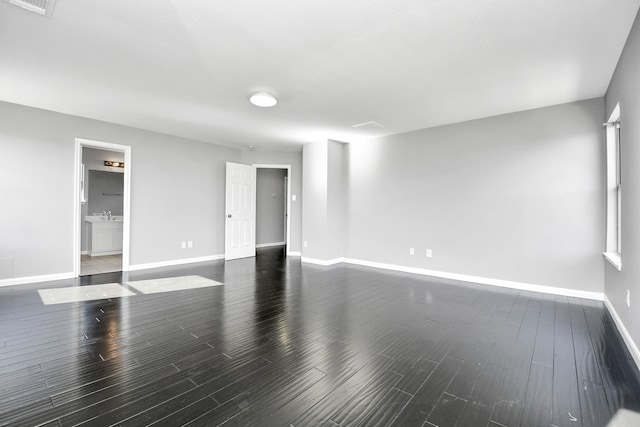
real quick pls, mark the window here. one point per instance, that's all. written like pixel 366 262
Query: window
pixel 613 251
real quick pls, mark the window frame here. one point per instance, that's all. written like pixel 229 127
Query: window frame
pixel 613 249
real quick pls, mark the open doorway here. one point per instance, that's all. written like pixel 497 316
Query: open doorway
pixel 240 204
pixel 272 206
pixel 101 207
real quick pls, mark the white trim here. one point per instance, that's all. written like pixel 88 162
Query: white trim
pixel 322 262
pixel 268 245
pixel 84 252
pixel 613 238
pixel 598 296
pixel 297 253
pixel 36 279
pixel 288 168
pixel 105 253
pixel 614 258
pixel 173 262
pixel 126 222
pixel 631 345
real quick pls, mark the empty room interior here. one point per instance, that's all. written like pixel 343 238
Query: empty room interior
pixel 320 213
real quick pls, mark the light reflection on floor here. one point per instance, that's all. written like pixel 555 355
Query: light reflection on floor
pixel 116 290
pixel 83 293
pixel 170 284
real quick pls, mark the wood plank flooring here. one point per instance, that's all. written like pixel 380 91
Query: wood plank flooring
pixel 284 344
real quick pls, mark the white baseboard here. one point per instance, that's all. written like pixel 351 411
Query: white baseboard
pixel 84 252
pixel 322 262
pixel 174 262
pixel 36 279
pixel 631 345
pixel 268 245
pixel 107 253
pixel 294 253
pixel 598 296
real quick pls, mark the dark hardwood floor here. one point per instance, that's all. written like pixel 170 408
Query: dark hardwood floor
pixel 288 344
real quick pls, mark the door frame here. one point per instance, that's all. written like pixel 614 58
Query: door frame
pixel 77 205
pixel 288 195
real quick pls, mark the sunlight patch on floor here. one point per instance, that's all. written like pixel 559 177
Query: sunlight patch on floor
pixel 171 284
pixel 83 293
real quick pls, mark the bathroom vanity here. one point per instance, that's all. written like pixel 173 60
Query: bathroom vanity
pixel 105 235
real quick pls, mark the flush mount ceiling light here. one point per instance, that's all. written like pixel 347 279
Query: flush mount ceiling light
pixel 263 99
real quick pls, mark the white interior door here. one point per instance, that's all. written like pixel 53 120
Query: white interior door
pixel 240 228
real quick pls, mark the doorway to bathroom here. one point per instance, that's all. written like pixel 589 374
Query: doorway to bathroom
pixel 101 207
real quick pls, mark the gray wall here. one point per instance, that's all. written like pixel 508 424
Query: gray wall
pixel 177 188
pixel 314 207
pixel 270 202
pixel 625 89
pixel 336 199
pixel 324 185
pixel 517 197
pixel 93 159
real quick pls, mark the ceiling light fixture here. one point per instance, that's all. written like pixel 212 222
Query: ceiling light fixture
pixel 263 99
pixel 113 164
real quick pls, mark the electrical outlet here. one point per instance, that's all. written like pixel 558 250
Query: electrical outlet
pixel 190 244
pixel 412 251
pixel 293 197
pixel 628 298
pixel 429 253
pixel 183 245
pixel 304 244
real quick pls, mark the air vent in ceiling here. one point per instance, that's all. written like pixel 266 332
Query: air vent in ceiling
pixel 41 7
pixel 369 126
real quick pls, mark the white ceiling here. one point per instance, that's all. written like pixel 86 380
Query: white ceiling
pixel 187 67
